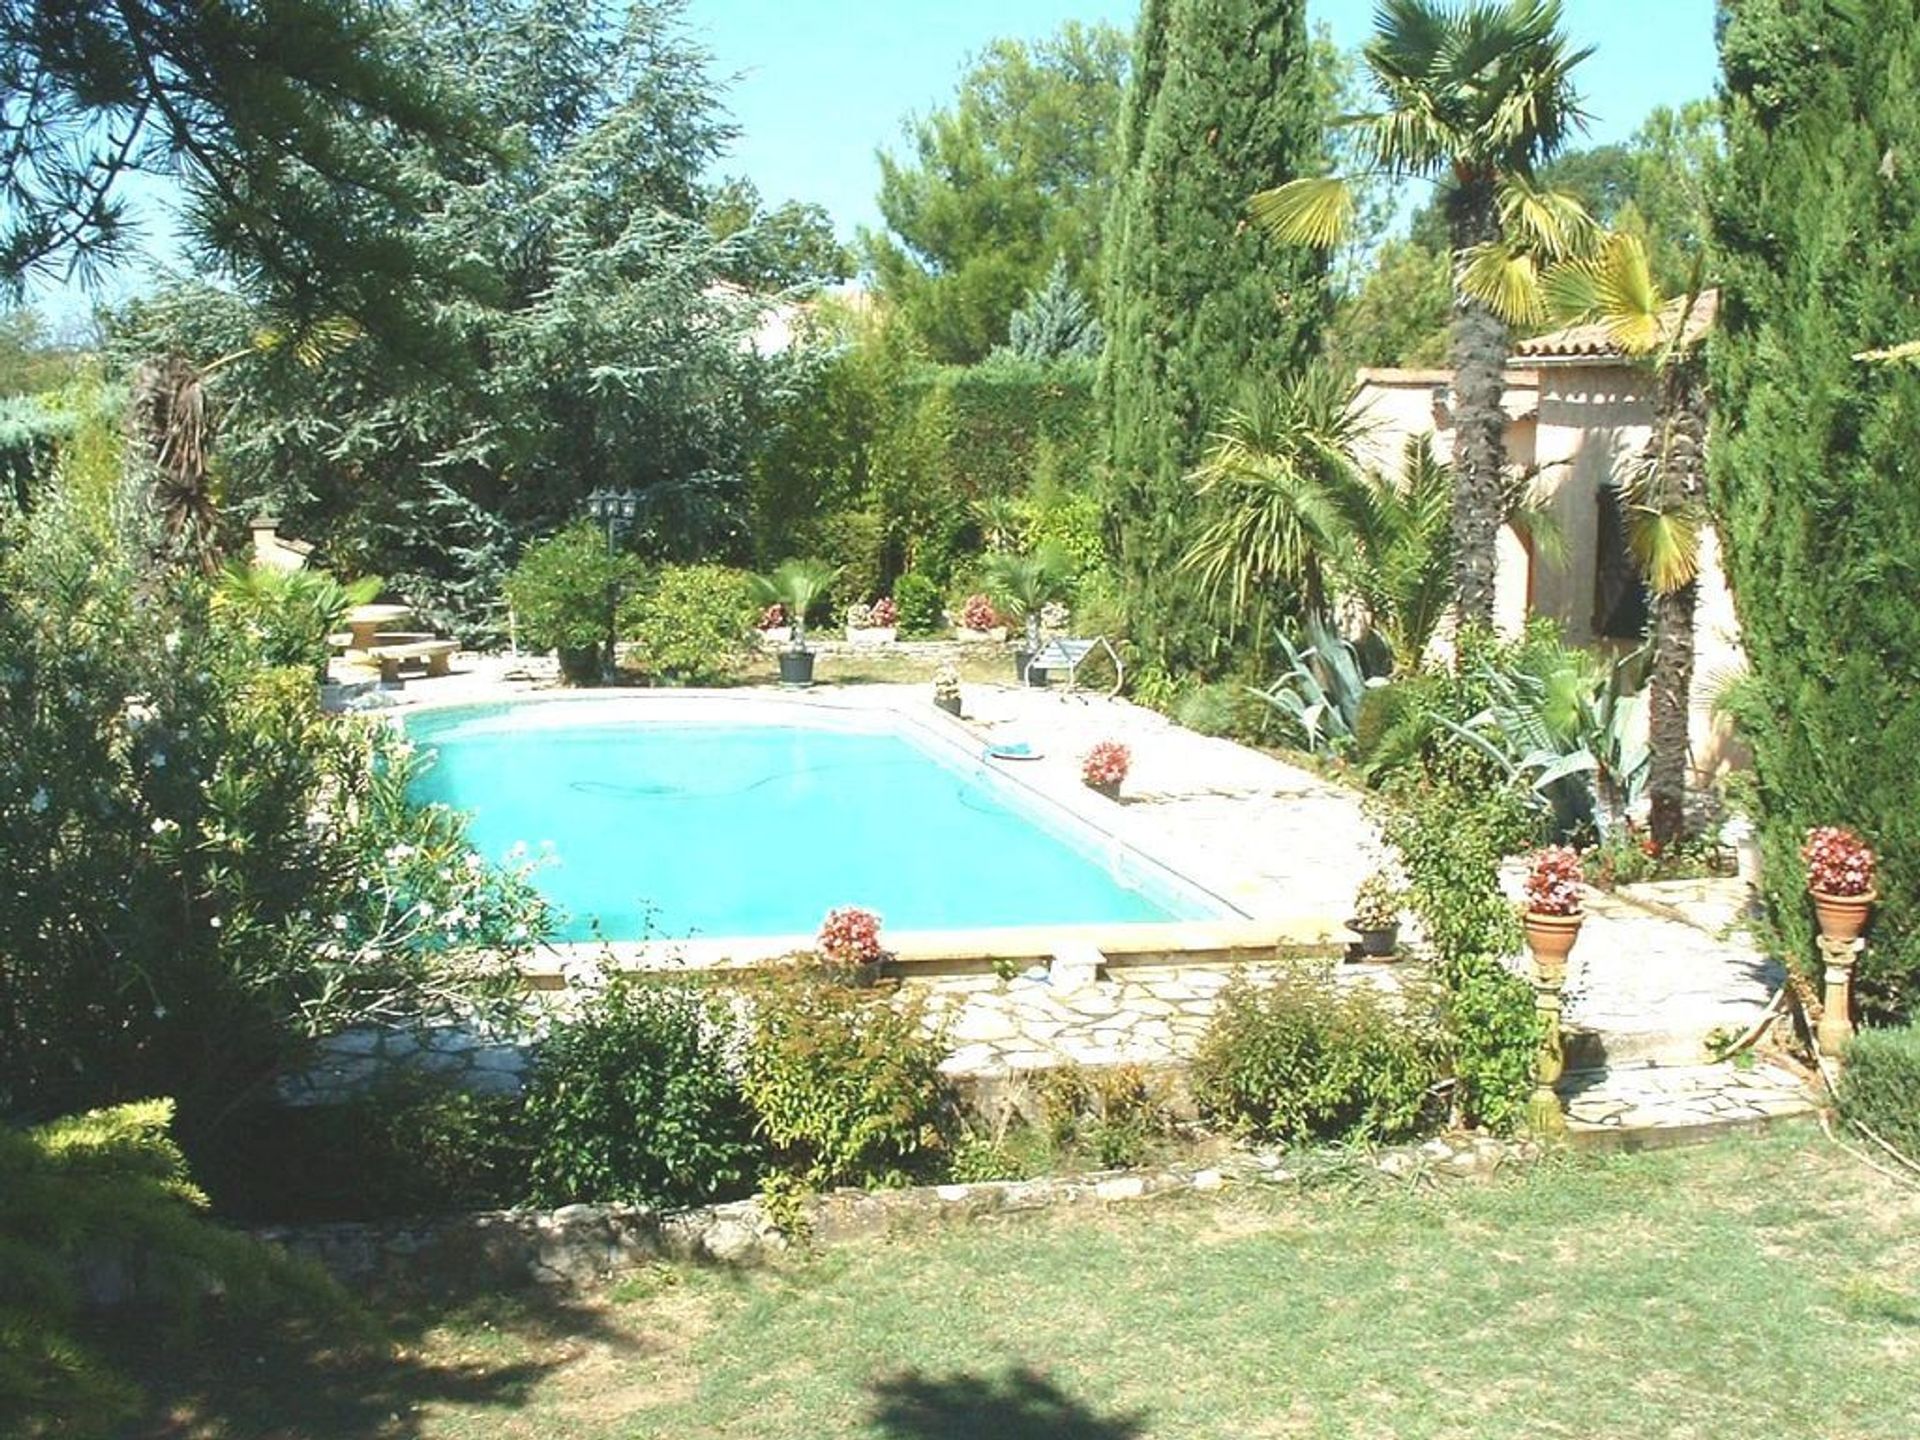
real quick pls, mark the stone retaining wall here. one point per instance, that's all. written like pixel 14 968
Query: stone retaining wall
pixel 580 1244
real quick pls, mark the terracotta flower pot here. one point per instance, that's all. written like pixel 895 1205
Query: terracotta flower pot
pixel 1551 937
pixel 1842 917
pixel 1108 788
pixel 948 703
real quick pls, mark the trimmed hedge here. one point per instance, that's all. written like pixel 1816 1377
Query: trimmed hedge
pixel 1880 1087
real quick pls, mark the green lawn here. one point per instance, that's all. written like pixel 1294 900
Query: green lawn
pixel 1764 1286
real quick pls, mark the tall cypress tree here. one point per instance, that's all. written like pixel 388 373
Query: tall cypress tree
pixel 1814 466
pixel 1198 303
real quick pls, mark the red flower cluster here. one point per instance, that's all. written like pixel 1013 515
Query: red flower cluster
pixel 1838 861
pixel 850 936
pixel 978 613
pixel 882 613
pixel 1553 881
pixel 773 617
pixel 1106 763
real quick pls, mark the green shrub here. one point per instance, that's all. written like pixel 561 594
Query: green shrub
pixel 284 617
pixel 917 599
pixel 852 541
pixel 688 623
pixel 636 1100
pixel 1451 835
pixel 1493 1036
pixel 203 868
pixel 845 1083
pixel 111 1188
pixel 413 1144
pixel 1880 1087
pixel 1111 1114
pixel 1305 1058
pixel 566 590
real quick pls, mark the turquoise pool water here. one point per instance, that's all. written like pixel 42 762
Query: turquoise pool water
pixel 672 829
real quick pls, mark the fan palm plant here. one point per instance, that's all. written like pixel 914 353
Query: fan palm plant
pixel 1022 585
pixel 1277 481
pixel 1475 97
pixel 1662 488
pixel 1402 557
pixel 798 586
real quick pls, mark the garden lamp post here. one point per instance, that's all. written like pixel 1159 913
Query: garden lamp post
pixel 616 510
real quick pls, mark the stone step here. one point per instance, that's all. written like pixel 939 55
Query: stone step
pixel 1636 1106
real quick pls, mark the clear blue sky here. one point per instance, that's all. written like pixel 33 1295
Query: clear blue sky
pixel 823 83
pixel 819 85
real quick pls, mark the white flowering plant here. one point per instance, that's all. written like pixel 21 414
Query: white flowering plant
pixel 204 870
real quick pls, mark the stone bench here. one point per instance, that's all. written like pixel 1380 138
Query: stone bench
pixel 437 654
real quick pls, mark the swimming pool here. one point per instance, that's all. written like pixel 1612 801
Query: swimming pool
pixel 661 826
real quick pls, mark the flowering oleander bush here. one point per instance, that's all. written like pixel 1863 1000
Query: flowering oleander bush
pixel 946 683
pixel 850 936
pixel 204 870
pixel 978 613
pixel 1553 881
pixel 883 614
pixel 1838 861
pixel 1106 763
pixel 774 617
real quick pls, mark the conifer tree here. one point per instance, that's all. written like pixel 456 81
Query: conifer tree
pixel 1199 303
pixel 1814 469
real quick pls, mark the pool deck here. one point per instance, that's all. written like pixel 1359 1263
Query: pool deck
pixel 1659 978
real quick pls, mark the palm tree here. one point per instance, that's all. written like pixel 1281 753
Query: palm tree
pixel 1276 479
pixel 1402 557
pixel 1662 489
pixel 1475 97
pixel 1023 585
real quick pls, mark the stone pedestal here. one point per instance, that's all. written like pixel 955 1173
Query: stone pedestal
pixel 1544 1115
pixel 1836 1016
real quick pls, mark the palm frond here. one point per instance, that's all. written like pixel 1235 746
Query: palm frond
pixel 1315 210
pixel 1549 222
pixel 1506 281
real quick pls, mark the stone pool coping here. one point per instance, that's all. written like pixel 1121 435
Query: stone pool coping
pixel 1258 923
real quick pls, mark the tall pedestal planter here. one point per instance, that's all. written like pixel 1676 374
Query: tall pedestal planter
pixel 1843 918
pixel 1550 938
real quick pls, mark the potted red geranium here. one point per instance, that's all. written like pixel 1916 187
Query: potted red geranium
pixel 849 940
pixel 1105 766
pixel 1554 911
pixel 1840 872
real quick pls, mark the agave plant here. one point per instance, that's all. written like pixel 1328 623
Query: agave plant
pixel 1568 730
pixel 797 585
pixel 1324 684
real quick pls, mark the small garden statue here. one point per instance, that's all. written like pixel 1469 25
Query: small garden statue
pixel 946 689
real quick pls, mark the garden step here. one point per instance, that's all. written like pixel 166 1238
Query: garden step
pixel 1639 1106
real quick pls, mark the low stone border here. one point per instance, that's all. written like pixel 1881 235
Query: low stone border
pixel 581 1244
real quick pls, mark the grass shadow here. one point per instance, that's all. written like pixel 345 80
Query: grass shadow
pixel 323 1382
pixel 1018 1404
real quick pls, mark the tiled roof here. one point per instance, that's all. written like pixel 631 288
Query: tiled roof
pixel 1591 341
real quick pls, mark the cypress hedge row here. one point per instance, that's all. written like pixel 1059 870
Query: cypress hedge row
pixel 1816 460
